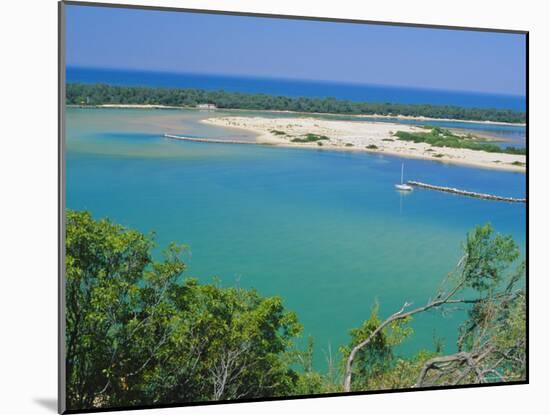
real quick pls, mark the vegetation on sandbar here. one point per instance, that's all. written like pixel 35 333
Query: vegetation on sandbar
pixel 277 132
pixel 310 138
pixel 441 137
pixel 98 94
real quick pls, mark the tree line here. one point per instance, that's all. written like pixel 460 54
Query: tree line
pixel 98 94
pixel 138 333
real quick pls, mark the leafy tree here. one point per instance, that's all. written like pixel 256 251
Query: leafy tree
pixel 377 357
pixel 486 273
pixel 139 334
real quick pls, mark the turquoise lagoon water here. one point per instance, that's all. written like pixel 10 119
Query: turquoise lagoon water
pixel 325 230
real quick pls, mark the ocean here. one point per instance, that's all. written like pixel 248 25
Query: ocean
pixel 296 88
pixel 324 230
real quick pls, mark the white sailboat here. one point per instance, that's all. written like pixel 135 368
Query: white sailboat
pixel 403 186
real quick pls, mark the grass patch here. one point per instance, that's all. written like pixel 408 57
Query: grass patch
pixel 438 155
pixel 349 145
pixel 372 147
pixel 440 137
pixel 320 143
pixel 388 139
pixel 310 138
pixel 278 132
pixel 518 163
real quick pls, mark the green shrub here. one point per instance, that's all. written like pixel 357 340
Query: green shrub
pixel 440 137
pixel 310 138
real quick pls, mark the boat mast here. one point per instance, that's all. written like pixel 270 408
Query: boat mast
pixel 402 166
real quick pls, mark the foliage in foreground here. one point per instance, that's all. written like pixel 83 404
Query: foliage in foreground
pixel 441 137
pixel 488 284
pixel 98 94
pixel 139 333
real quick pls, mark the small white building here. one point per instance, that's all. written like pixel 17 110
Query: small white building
pixel 206 106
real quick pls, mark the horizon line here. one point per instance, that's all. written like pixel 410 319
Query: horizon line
pixel 328 81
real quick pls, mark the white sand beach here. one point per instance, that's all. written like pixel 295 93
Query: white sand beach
pixel 138 106
pixel 376 137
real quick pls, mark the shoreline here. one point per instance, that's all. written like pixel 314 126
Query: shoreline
pixel 399 117
pixel 403 117
pixel 372 137
pixel 347 150
pixel 133 106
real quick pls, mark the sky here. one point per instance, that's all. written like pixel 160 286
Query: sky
pixel 181 42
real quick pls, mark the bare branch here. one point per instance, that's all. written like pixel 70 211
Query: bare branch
pixel 439 300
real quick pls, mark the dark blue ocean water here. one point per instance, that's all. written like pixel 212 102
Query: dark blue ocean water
pixel 295 88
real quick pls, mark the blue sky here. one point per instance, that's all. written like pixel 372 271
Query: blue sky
pixel 262 47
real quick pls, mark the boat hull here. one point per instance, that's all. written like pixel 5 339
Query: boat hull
pixel 403 187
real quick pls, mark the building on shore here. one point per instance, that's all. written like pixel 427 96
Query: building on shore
pixel 206 106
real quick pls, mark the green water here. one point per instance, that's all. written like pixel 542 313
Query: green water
pixel 324 230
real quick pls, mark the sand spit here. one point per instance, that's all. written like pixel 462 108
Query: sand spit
pixel 376 137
